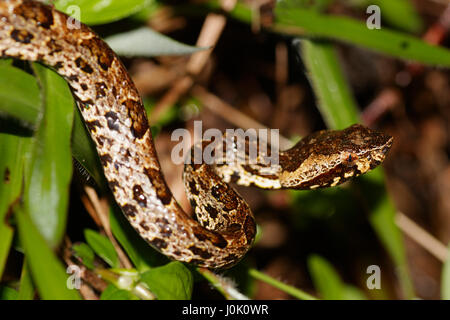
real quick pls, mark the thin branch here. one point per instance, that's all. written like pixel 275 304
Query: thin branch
pixel 421 237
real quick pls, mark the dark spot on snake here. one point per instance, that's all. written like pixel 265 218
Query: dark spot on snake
pixel 200 252
pixel 193 188
pixel 159 243
pixel 72 78
pixel 21 36
pixel 113 184
pixel 129 210
pixel 177 253
pixel 100 50
pixel 234 177
pixel 138 116
pixel 100 88
pixel 54 46
pixel 226 196
pixel 249 229
pixel 404 44
pixel 162 191
pixel 87 103
pixel 234 227
pixel 32 10
pixel 7 176
pixel 219 241
pixel 58 65
pixel 100 140
pixel 84 86
pixel 212 211
pixel 83 65
pixel 112 118
pixel 231 258
pixel 138 195
pixel 200 233
pixel 105 159
pixel 92 125
pixel 144 226
pixel 197 261
pixel 164 228
pixel 193 204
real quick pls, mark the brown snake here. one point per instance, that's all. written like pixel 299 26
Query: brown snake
pixel 114 115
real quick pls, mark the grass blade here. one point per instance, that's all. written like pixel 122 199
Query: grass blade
pixel 47 272
pixel 297 293
pixel 328 282
pixel 309 23
pixel 382 210
pixel 102 246
pixel 336 103
pixel 13 150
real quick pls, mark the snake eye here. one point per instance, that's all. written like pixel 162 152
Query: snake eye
pixel 349 158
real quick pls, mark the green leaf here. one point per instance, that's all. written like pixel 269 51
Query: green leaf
pixel 170 282
pixel 325 278
pixel 445 285
pixel 145 42
pixel 26 291
pixel 7 293
pixel 47 272
pixel 100 11
pixel 113 293
pixel 328 283
pixel 5 62
pixel 50 168
pixel 13 151
pixel 85 254
pixel 382 219
pixel 301 22
pixel 336 102
pixel 102 247
pixel 19 96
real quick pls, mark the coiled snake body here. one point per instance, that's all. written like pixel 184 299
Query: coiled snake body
pixel 114 115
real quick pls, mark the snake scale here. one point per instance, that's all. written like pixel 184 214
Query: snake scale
pixel 114 115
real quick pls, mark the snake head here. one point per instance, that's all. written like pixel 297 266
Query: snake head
pixel 330 157
pixel 363 148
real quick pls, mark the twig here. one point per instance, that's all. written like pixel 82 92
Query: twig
pixel 209 35
pixel 421 237
pixel 101 211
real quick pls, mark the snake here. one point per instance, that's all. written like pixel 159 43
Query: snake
pixel 223 228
